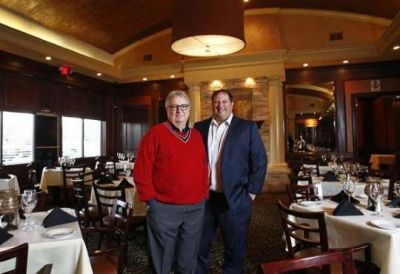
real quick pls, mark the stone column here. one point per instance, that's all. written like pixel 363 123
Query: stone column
pixel 195 108
pixel 277 136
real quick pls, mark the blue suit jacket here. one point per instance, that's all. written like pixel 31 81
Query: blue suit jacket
pixel 244 160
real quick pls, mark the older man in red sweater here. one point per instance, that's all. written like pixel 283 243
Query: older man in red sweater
pixel 171 176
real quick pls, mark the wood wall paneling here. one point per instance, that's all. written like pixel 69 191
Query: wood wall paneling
pixel 50 97
pixel 341 75
pixel 21 92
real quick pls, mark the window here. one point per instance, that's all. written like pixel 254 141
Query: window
pixel 17 138
pixel 72 137
pixel 81 137
pixel 92 137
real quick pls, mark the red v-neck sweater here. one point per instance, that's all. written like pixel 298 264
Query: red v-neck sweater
pixel 170 169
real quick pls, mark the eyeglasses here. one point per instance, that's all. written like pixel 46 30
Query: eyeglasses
pixel 183 107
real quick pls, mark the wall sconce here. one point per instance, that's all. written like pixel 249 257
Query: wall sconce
pixel 311 122
pixel 216 85
pixel 207 27
pixel 250 82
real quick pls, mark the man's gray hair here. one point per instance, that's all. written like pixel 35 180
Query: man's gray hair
pixel 176 93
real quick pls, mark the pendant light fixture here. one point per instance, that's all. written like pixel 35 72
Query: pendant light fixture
pixel 204 28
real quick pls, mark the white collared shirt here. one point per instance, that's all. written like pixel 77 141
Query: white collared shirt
pixel 216 136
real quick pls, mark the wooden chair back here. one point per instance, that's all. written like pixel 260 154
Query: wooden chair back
pixel 312 164
pixel 81 202
pixel 301 235
pixel 106 195
pixel 297 193
pixel 20 253
pixel 70 174
pixel 343 257
pixel 117 242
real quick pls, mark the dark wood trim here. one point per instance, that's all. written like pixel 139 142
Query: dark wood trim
pixel 340 74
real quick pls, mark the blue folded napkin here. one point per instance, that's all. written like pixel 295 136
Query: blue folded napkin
pixel 330 176
pixel 58 217
pixel 395 202
pixel 346 209
pixel 124 183
pixel 4 235
pixel 342 197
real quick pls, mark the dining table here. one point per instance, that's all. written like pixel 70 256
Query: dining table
pixel 331 188
pixel 139 207
pixel 328 188
pixel 120 165
pixel 65 251
pixel 383 232
pixel 54 177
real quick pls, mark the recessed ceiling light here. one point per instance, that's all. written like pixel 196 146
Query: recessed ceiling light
pixel 99 74
pixel 144 79
pixel 48 58
pixel 305 65
pixel 345 61
pixel 246 1
pixel 396 47
pixel 172 76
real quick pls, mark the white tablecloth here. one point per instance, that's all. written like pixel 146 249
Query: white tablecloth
pixel 322 169
pixel 331 188
pixel 68 256
pixel 121 165
pixel 11 183
pixel 139 208
pixel 349 231
pixel 54 177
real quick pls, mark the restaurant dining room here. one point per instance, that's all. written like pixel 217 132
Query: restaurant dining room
pixel 89 185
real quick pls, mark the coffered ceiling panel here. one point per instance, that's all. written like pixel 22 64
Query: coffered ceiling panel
pixel 114 25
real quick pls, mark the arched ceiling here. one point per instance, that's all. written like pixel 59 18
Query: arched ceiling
pixel 114 25
pixel 113 37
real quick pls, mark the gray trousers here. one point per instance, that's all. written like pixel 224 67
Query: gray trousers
pixel 174 233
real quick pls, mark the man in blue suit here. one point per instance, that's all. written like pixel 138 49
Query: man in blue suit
pixel 237 167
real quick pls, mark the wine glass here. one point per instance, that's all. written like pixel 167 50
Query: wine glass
pixel 324 156
pixel 28 203
pixel 349 186
pixel 376 193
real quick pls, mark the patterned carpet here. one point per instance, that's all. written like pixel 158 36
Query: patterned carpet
pixel 264 244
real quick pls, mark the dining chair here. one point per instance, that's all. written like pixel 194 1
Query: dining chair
pixel 298 193
pixel 69 174
pixel 105 197
pixel 306 235
pixel 343 258
pixel 312 164
pixel 32 178
pixel 20 253
pixel 111 256
pixel 87 214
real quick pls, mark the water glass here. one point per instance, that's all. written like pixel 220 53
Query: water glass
pixel 376 194
pixel 349 186
pixel 28 203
